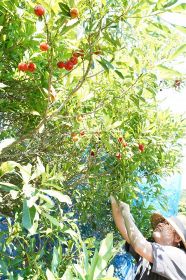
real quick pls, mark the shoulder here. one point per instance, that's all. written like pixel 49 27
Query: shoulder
pixel 168 249
pixel 169 261
pixel 171 252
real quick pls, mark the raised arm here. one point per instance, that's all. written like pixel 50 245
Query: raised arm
pixel 137 240
pixel 118 219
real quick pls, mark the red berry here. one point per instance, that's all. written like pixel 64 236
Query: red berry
pixel 74 13
pixel 141 147
pixel 177 83
pixel 44 47
pixel 120 139
pixel 39 10
pixel 92 153
pixel 118 155
pixel 124 144
pixel 69 65
pixel 82 133
pixel 61 64
pixel 23 67
pixel 74 60
pixel 31 67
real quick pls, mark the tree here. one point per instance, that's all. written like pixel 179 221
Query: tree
pixel 84 99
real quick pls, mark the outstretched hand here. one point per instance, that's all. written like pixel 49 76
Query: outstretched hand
pixel 118 217
pixel 121 207
pixel 125 208
pixel 116 212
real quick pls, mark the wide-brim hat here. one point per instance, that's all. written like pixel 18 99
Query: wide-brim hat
pixel 177 222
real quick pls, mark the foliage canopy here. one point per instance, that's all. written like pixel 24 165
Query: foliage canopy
pixel 91 131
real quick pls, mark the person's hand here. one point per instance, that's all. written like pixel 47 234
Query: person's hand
pixel 112 199
pixel 116 212
pixel 125 208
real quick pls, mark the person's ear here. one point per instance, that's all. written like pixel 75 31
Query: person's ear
pixel 177 238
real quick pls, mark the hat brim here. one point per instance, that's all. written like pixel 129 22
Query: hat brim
pixel 157 218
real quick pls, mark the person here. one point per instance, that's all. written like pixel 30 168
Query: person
pixel 165 256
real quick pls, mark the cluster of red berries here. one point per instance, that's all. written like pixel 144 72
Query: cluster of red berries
pixel 31 67
pixel 27 67
pixel 40 11
pixel 122 141
pixel 69 64
pixel 75 136
pixel 141 147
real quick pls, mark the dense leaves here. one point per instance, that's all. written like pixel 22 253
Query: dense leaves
pixel 84 111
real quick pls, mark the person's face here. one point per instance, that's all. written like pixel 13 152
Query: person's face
pixel 164 234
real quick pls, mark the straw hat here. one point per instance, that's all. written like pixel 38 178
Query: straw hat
pixel 177 222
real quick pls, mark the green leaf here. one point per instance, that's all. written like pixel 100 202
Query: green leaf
pixel 119 74
pixel 179 51
pixel 110 272
pixel 67 28
pixel 55 260
pixel 106 64
pixel 112 40
pixel 100 259
pixel 50 275
pixel 61 197
pixel 103 64
pixel 106 245
pixel 25 171
pixel 86 264
pixel 79 270
pixel 180 28
pixel 170 3
pixel 3 267
pixel 53 220
pixel 179 9
pixel 65 9
pixel 47 199
pixel 72 233
pixel 3 85
pixel 7 167
pixel 8 187
pixel 167 73
pixel 14 194
pixel 26 218
pixel 40 169
pixel 5 143
pixel 93 264
pixel 68 274
pixel 116 124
